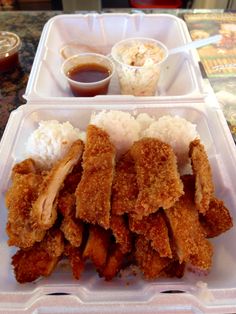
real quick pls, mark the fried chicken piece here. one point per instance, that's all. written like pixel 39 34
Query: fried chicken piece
pixel 97 245
pixel 187 232
pixel 157 176
pixel 94 190
pixel 149 260
pixel 66 204
pixel 74 255
pixel 19 198
pixel 124 189
pixel 154 228
pixel 44 208
pixel 174 269
pixel 202 261
pixel 114 263
pixel 73 230
pixel 202 171
pixel 39 260
pixel 121 233
pixel 217 219
pixel 24 167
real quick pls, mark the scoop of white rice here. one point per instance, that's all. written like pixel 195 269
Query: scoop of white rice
pixel 121 126
pixel 51 141
pixel 175 131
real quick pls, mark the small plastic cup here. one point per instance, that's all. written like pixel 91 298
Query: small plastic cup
pixel 10 44
pixel 90 88
pixel 138 65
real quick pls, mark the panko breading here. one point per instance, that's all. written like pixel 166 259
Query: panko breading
pixel 93 193
pixel 121 232
pixel 158 178
pixel 114 263
pixel 154 228
pixel 73 230
pixel 76 260
pixel 40 259
pixel 124 189
pixel 44 209
pixel 24 167
pixel 148 259
pixel 202 171
pixel 19 198
pixel 187 232
pixel 96 248
pixel 217 219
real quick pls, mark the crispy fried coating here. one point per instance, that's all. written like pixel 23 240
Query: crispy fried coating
pixel 124 189
pixel 157 176
pixel 66 203
pixel 121 232
pixel 114 263
pixel 74 255
pixel 39 260
pixel 19 198
pixel 96 248
pixel 187 232
pixel 174 269
pixel 72 229
pixel 94 190
pixel 203 259
pixel 217 219
pixel 44 209
pixel 24 167
pixel 154 228
pixel 149 260
pixel 202 171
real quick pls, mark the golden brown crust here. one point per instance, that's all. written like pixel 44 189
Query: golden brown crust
pixel 149 260
pixel 154 228
pixel 157 176
pixel 97 245
pixel 19 198
pixel 94 190
pixel 217 219
pixel 187 232
pixel 39 260
pixel 113 264
pixel 121 232
pixel 74 255
pixel 202 171
pixel 124 189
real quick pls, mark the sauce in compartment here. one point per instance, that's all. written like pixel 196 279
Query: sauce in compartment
pixel 89 73
pixel 9 45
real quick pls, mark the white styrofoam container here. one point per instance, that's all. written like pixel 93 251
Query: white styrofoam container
pixel 181 77
pixel 92 294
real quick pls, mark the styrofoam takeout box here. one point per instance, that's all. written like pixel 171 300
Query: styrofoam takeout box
pixel 127 294
pixel 180 76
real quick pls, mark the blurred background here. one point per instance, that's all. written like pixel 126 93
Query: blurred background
pixel 73 5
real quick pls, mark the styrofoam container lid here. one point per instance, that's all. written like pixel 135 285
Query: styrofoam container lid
pixel 216 293
pixel 180 74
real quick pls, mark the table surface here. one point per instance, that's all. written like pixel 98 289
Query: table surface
pixel 29 25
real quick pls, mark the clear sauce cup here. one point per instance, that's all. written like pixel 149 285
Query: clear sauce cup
pixel 10 44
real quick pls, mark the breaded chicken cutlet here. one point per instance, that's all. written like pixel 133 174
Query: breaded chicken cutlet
pixel 44 209
pixel 93 193
pixel 76 260
pixel 217 219
pixel 40 259
pixel 124 188
pixel 158 178
pixel 155 230
pixel 120 229
pixel 189 236
pixel 21 229
pixel 148 259
pixel 202 171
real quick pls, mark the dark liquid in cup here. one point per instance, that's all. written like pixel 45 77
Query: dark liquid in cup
pixel 89 73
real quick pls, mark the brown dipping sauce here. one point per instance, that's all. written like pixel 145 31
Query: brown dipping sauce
pixel 89 73
pixel 9 46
